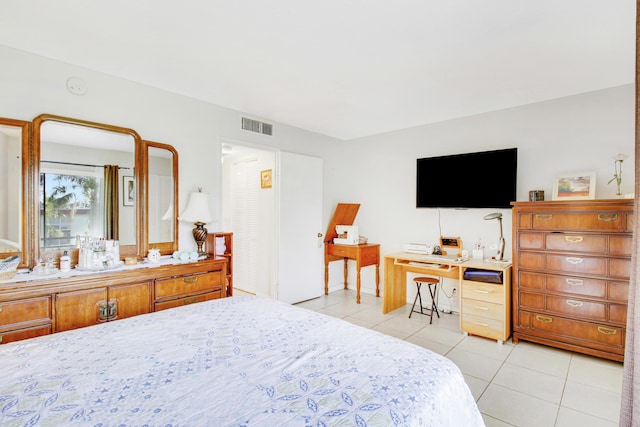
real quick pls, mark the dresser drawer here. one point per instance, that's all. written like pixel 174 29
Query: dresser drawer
pixel 483 309
pixel 192 299
pixel 573 331
pixel 584 243
pixel 23 334
pixel 184 285
pixel 619 291
pixel 346 251
pixel 588 221
pixel 485 327
pixel 577 308
pixel 483 291
pixel 23 311
pixel 620 245
pixel 577 286
pixel 577 264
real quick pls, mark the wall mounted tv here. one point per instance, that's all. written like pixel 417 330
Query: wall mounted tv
pixel 472 180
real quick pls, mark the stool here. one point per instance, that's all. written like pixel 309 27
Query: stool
pixel 432 282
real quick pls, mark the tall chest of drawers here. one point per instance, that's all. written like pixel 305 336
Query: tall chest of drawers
pixel 571 266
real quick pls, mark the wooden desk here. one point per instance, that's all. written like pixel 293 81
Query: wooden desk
pixel 485 308
pixel 364 255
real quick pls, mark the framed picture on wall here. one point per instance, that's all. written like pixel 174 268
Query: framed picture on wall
pixel 575 186
pixel 266 180
pixel 128 191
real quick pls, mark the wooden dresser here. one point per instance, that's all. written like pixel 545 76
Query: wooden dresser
pixel 48 305
pixel 571 267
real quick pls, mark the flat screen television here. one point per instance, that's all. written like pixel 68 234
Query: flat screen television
pixel 484 179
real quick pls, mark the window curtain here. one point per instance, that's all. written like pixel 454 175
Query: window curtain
pixel 630 404
pixel 111 200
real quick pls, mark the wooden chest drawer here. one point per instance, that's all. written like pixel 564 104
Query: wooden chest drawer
pixel 577 264
pixel 587 221
pixel 577 308
pixel 25 311
pixel 584 243
pixel 484 309
pixel 483 291
pixel 573 331
pixel 179 302
pixel 346 251
pixel 23 334
pixel 184 285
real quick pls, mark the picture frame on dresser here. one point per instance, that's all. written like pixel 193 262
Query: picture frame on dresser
pixel 575 186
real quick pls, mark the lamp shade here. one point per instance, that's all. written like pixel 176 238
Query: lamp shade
pixel 197 209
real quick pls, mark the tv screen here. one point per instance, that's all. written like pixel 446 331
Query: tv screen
pixel 472 180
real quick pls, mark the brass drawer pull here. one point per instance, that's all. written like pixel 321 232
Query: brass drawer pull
pixel 544 319
pixel 191 279
pixel 575 282
pixel 0 309
pixel 480 308
pixel 573 239
pixel 191 300
pixel 607 331
pixel 574 260
pixel 607 217
pixel 0 339
pixel 544 217
pixel 574 303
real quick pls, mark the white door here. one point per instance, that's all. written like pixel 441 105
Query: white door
pixel 300 258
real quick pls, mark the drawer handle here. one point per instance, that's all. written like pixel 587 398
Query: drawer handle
pixel 480 308
pixel 0 339
pixel 574 303
pixel 607 217
pixel 480 291
pixel 574 260
pixel 575 282
pixel 481 324
pixel 544 217
pixel 544 319
pixel 607 331
pixel 191 279
pixel 0 309
pixel 191 300
pixel 573 239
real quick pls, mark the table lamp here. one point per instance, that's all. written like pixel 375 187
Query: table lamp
pixel 498 216
pixel 197 211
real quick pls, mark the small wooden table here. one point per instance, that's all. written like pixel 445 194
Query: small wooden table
pixel 364 255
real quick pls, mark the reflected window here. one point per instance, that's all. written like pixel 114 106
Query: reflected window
pixel 71 206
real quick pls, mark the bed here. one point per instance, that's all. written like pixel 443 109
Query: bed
pixel 239 361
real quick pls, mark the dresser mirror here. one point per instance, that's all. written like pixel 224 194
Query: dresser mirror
pixel 162 197
pixel 14 165
pixel 87 175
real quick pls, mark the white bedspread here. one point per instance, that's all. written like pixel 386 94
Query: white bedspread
pixel 240 361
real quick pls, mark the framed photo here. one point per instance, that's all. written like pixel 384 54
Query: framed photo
pixel 266 180
pixel 128 191
pixel 575 186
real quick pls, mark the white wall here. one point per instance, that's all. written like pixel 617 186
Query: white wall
pixel 31 85
pixel 577 133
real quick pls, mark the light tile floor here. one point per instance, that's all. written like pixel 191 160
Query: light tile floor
pixel 515 385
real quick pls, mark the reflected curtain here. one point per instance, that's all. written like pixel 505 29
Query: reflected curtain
pixel 630 404
pixel 111 200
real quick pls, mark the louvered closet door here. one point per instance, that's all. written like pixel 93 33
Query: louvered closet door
pixel 245 192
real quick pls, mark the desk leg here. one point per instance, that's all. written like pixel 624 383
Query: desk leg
pixel 326 277
pixel 358 287
pixel 346 272
pixel 378 280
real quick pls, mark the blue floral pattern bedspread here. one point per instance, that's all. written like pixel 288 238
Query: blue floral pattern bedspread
pixel 240 361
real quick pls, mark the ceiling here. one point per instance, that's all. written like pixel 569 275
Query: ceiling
pixel 341 68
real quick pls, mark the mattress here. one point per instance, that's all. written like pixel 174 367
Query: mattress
pixel 239 361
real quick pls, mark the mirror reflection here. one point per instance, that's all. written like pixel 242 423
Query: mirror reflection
pixel 13 137
pixel 87 186
pixel 161 196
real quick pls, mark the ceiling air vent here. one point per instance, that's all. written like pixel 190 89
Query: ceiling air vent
pixel 256 126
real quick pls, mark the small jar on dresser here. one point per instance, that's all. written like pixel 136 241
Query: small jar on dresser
pixel 571 267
